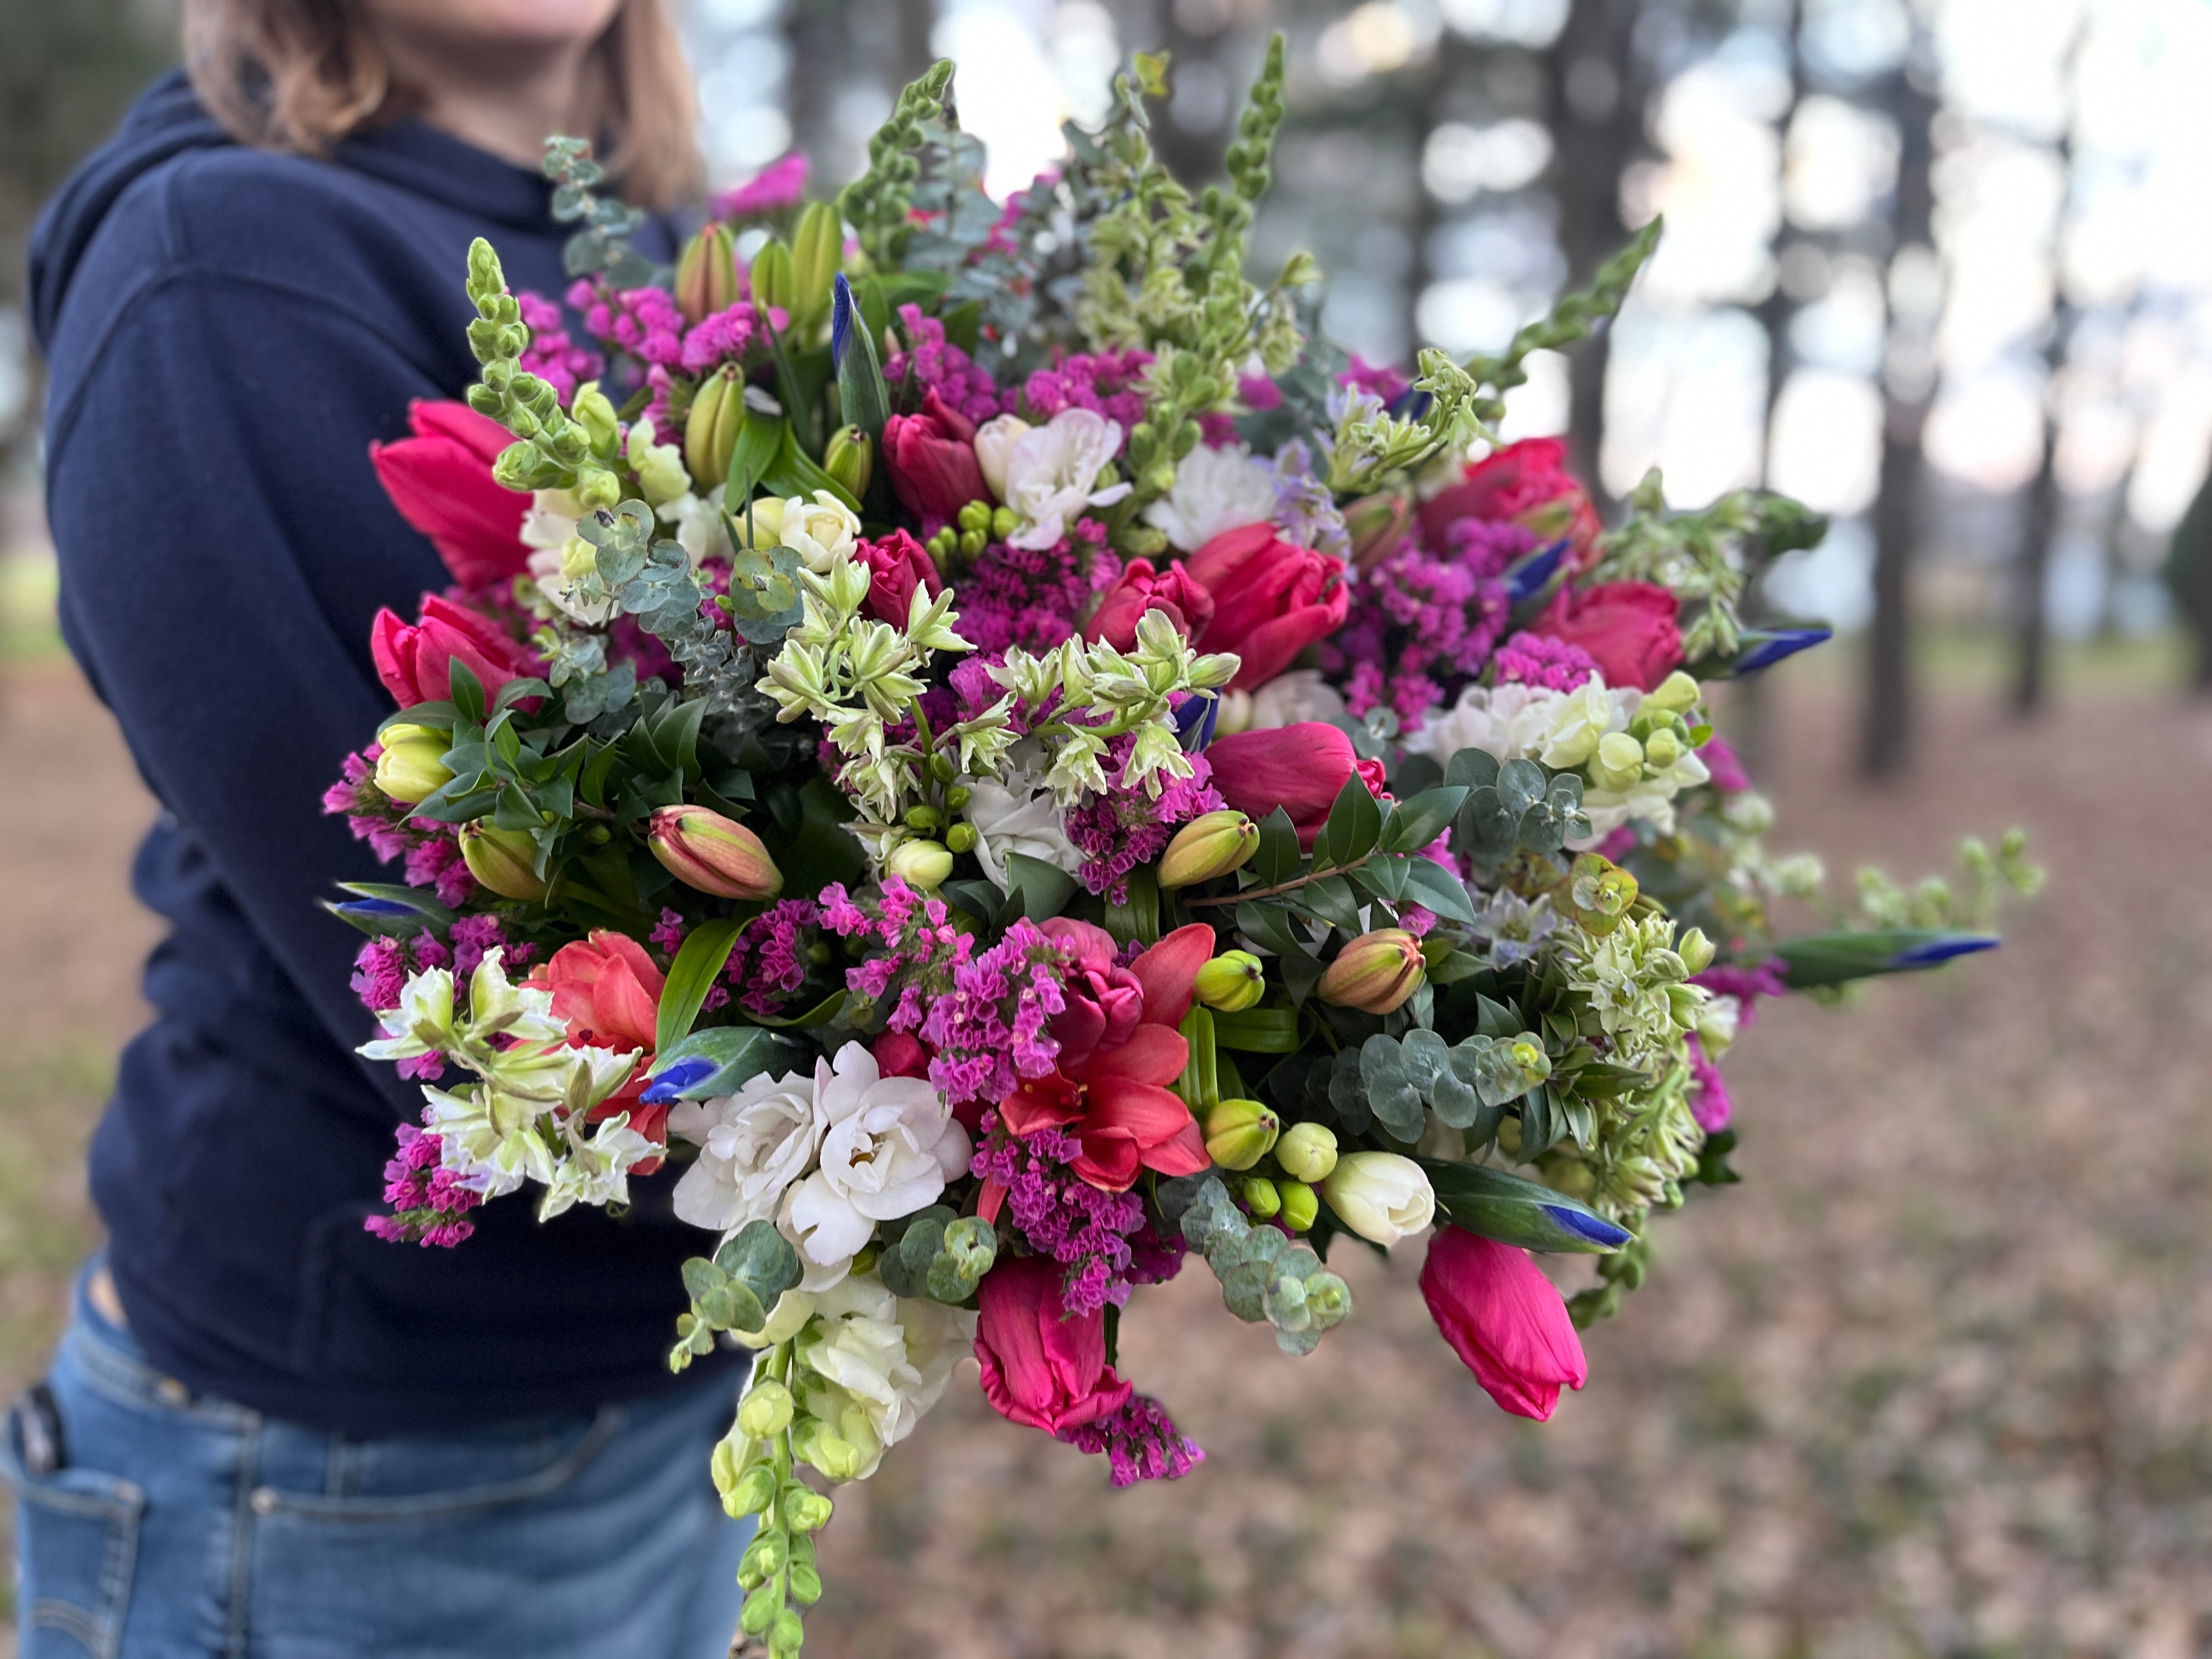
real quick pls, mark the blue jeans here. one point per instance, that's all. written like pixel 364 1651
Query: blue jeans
pixel 178 1526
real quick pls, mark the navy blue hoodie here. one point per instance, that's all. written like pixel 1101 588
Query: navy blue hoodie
pixel 228 331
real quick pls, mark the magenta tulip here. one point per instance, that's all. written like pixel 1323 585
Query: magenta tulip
pixel 1503 1318
pixel 1041 1367
pixel 1628 628
pixel 932 460
pixel 441 481
pixel 1140 588
pixel 898 565
pixel 1527 483
pixel 1271 598
pixel 1300 769
pixel 415 659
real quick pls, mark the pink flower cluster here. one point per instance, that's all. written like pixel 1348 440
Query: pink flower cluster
pixel 432 850
pixel 643 321
pixel 1421 624
pixel 1035 600
pixel 719 337
pixel 1105 383
pixel 937 365
pixel 551 356
pixel 428 1207
pixel 1118 831
pixel 1140 1441
pixel 1534 659
pixel 777 186
pixel 1061 1215
pixel 382 966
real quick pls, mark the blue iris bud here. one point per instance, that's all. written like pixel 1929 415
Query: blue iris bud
pixel 1526 580
pixel 1594 1228
pixel 1767 647
pixel 375 909
pixel 840 320
pixel 683 1074
pixel 1411 405
pixel 1195 720
pixel 1937 951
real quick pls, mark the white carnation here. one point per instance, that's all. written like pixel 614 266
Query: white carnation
pixel 889 1145
pixel 871 1364
pixel 1052 473
pixel 1215 490
pixel 754 1145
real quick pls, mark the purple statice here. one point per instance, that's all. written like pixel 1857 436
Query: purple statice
pixel 379 973
pixel 1378 380
pixel 719 337
pixel 1534 659
pixel 644 323
pixel 551 356
pixel 475 938
pixel 1747 982
pixel 1216 428
pixel 369 812
pixel 937 365
pixel 1125 828
pixel 1306 507
pixel 1431 618
pixel 768 961
pixel 667 934
pixel 1708 1094
pixel 434 862
pixel 1035 598
pixel 1106 381
pixel 1058 1214
pixel 1140 1441
pixel 429 1208
pixel 779 184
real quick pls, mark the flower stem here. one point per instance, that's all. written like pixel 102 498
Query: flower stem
pixel 1294 882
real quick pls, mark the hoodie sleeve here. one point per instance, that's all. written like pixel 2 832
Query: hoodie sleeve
pixel 224 544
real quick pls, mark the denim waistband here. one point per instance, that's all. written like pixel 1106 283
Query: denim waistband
pixel 113 1362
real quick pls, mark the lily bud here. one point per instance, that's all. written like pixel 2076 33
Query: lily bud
pixel 1240 1133
pixel 1261 1201
pixel 1378 524
pixel 1306 1151
pixel 1380 1195
pixel 1375 973
pixel 1301 1204
pixel 766 1410
pixel 412 765
pixel 505 860
pixel 923 864
pixel 774 281
pixel 1231 982
pixel 703 849
pixel 818 249
pixel 850 459
pixel 1209 847
pixel 710 432
pixel 707 275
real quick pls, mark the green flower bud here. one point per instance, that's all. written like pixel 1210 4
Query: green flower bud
pixel 766 1410
pixel 1618 763
pixel 1301 1204
pixel 504 860
pixel 774 282
pixel 973 542
pixel 806 1583
pixel 817 248
pixel 1695 949
pixel 1661 749
pixel 922 863
pixel 838 1458
pixel 924 817
pixel 1004 522
pixel 941 768
pixel 770 1550
pixel 1306 1151
pixel 958 796
pixel 976 515
pixel 1686 1005
pixel 942 545
pixel 1261 1199
pixel 760 1609
pixel 1231 982
pixel 706 274
pixel 850 459
pixel 703 849
pixel 1677 693
pixel 753 1491
pixel 805 1510
pixel 1375 973
pixel 1209 847
pixel 961 838
pixel 786 1635
pixel 412 765
pixel 710 431
pixel 1240 1133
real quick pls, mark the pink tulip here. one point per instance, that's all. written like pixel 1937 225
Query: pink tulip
pixel 1503 1318
pixel 1627 628
pixel 1271 598
pixel 1139 589
pixel 1527 483
pixel 441 481
pixel 898 564
pixel 932 460
pixel 415 659
pixel 1300 769
pixel 899 1054
pixel 1041 1368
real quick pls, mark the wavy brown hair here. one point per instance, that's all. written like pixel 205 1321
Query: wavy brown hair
pixel 301 75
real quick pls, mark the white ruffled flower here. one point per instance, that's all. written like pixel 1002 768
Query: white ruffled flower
pixel 871 1364
pixel 889 1145
pixel 995 444
pixel 1286 700
pixel 1511 721
pixel 820 531
pixel 1015 813
pixel 1215 490
pixel 1052 472
pixel 753 1145
pixel 698 523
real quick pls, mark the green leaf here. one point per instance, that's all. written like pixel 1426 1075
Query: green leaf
pixel 1392 1094
pixel 761 1258
pixel 1417 822
pixel 1485 828
pixel 1520 785
pixel 760 440
pixel 739 1054
pixel 1471 768
pixel 414 898
pixel 468 692
pixel 1435 887
pixel 820 1014
pixel 1354 824
pixel 1713 1160
pixel 1045 889
pixel 698 963
pixel 860 379
pixel 1330 898
pixel 1278 857
pixel 1258 1030
pixel 1416 774
pixel 1492 1204
pixel 978 898
pixel 1267 924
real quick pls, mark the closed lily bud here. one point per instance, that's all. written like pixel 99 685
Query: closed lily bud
pixel 1375 973
pixel 1301 1204
pixel 710 432
pixel 1209 847
pixel 818 249
pixel 505 860
pixel 775 282
pixel 765 1410
pixel 850 459
pixel 1380 1195
pixel 923 864
pixel 1231 982
pixel 705 850
pixel 1378 524
pixel 412 765
pixel 1240 1133
pixel 1306 1151
pixel 706 274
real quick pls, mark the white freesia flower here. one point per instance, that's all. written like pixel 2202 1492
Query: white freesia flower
pixel 820 532
pixel 889 1145
pixel 871 1364
pixel 1215 489
pixel 596 1169
pixel 1015 813
pixel 1380 1195
pixel 995 444
pixel 1052 472
pixel 754 1145
pixel 698 522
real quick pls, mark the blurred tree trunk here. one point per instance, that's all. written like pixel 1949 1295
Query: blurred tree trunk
pixel 1596 92
pixel 1909 386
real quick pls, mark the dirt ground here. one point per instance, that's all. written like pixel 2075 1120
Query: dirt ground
pixel 1935 1380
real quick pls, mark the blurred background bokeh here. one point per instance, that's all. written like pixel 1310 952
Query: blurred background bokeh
pixel 1937 1379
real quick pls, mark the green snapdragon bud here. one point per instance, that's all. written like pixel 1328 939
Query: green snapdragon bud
pixel 1676 694
pixel 766 1410
pixel 805 1510
pixel 1618 763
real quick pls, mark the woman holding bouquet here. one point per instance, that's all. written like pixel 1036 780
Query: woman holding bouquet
pixel 267 1430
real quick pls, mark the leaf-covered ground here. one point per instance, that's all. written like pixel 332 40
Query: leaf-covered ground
pixel 1935 1380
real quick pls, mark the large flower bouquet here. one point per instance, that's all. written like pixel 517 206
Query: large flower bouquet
pixel 975 734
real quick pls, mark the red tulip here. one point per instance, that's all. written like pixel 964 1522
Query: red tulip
pixel 1503 1318
pixel 898 564
pixel 1041 1367
pixel 932 460
pixel 608 990
pixel 441 481
pixel 1271 598
pixel 1526 482
pixel 1628 628
pixel 415 659
pixel 1140 588
pixel 1300 769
